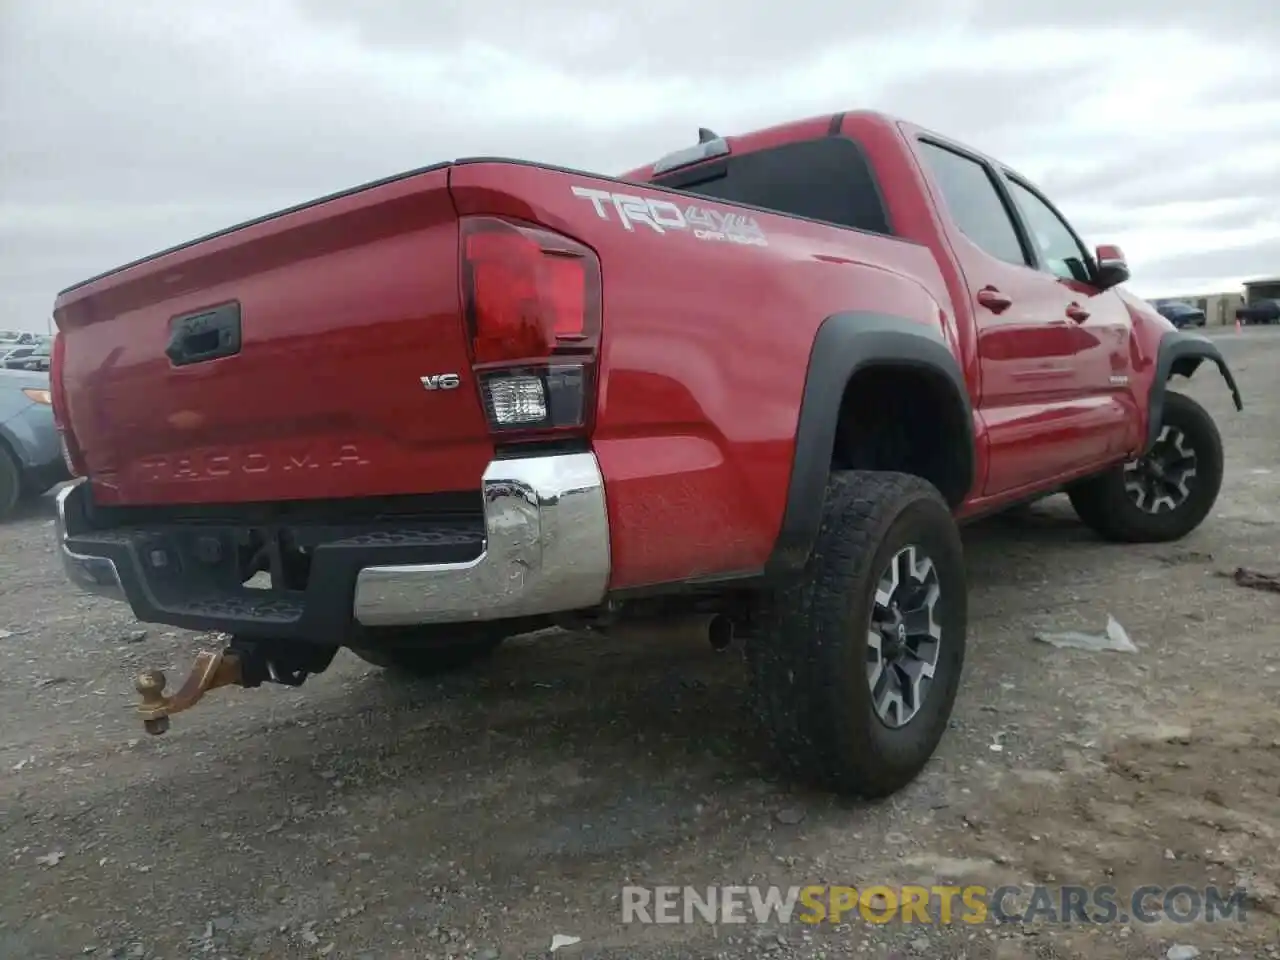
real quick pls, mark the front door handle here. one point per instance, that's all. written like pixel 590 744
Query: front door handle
pixel 993 299
pixel 1077 313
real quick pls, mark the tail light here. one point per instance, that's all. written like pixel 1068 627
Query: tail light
pixel 71 452
pixel 533 309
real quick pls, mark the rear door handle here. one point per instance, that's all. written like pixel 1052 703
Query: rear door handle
pixel 206 335
pixel 993 299
pixel 1077 313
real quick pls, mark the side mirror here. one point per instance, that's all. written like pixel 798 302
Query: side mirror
pixel 1112 268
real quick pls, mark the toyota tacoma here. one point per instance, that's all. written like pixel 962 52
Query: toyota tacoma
pixel 760 382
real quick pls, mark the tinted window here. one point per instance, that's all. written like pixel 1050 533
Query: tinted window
pixel 973 202
pixel 828 179
pixel 1059 250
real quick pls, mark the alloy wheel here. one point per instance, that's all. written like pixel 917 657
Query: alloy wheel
pixel 904 636
pixel 1161 481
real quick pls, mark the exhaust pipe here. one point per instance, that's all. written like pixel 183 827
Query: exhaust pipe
pixel 714 628
pixel 720 632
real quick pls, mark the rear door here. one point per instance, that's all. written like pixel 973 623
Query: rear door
pixel 1039 397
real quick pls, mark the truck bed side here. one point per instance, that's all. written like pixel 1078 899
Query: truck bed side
pixel 706 349
pixel 710 314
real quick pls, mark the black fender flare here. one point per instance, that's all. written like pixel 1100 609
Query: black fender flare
pixel 1181 352
pixel 846 344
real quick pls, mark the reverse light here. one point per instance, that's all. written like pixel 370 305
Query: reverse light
pixel 533 310
pixel 514 401
pixel 549 397
pixel 37 395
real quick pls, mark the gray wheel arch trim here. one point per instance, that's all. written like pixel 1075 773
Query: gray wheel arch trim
pixel 1181 352
pixel 846 344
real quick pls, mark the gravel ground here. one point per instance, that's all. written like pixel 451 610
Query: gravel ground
pixel 369 817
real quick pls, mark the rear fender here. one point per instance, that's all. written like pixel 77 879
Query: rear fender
pixel 847 344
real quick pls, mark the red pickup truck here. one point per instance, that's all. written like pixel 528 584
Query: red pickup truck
pixel 760 382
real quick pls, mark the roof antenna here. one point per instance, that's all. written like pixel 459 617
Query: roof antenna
pixel 706 136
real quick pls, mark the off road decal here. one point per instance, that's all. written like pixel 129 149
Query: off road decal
pixel 662 216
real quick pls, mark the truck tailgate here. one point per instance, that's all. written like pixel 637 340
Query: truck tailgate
pixel 281 360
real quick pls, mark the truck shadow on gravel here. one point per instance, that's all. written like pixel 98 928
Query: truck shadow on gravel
pixel 652 699
pixel 647 710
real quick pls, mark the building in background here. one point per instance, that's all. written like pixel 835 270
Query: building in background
pixel 1256 290
pixel 1219 308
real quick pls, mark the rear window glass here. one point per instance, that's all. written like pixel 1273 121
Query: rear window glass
pixel 828 179
pixel 973 202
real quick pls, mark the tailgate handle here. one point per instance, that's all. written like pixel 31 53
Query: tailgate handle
pixel 206 335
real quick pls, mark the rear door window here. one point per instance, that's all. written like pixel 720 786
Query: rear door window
pixel 973 202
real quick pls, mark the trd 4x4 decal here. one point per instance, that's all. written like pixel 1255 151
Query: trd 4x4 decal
pixel 663 215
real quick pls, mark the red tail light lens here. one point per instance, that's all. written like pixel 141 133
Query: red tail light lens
pixel 533 307
pixel 71 453
pixel 530 292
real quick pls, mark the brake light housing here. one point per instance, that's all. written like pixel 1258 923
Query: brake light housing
pixel 71 452
pixel 532 300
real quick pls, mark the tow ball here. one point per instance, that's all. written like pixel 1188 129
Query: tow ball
pixel 211 670
pixel 240 664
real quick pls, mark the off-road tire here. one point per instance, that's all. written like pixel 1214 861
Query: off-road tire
pixel 430 659
pixel 808 652
pixel 10 481
pixel 1104 504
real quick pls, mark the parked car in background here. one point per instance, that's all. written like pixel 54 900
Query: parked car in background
pixel 1260 311
pixel 12 358
pixel 17 338
pixel 30 451
pixel 28 358
pixel 15 358
pixel 1181 314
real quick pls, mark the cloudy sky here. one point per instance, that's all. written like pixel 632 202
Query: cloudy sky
pixel 129 126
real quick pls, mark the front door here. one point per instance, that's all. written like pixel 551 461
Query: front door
pixel 1101 322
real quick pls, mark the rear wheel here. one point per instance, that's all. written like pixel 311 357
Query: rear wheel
pixel 429 658
pixel 1166 493
pixel 855 667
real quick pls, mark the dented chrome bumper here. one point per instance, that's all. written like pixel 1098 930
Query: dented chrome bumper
pixel 96 574
pixel 544 549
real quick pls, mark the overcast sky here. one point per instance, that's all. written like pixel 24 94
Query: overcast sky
pixel 126 127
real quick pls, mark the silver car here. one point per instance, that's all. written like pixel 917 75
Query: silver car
pixel 30 451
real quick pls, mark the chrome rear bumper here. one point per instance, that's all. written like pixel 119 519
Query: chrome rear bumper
pixel 94 574
pixel 545 550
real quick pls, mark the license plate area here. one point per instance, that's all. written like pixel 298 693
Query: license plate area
pixel 203 560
